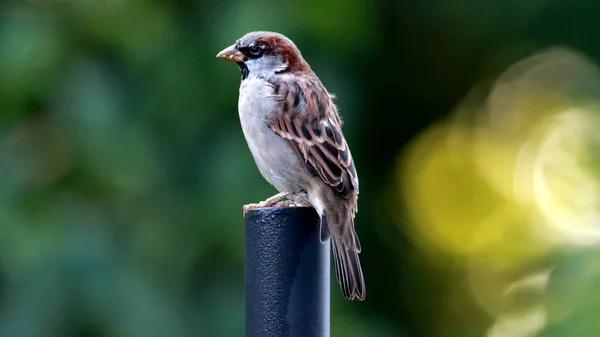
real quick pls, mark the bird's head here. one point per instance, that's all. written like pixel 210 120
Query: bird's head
pixel 264 54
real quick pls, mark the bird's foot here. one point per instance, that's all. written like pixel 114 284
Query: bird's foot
pixel 288 203
pixel 270 202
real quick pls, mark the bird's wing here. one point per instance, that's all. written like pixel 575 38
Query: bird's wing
pixel 307 117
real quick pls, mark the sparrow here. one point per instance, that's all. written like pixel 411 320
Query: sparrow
pixel 294 133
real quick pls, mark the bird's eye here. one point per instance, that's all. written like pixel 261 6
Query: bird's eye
pixel 255 50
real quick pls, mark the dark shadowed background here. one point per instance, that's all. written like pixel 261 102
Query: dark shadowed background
pixel 474 126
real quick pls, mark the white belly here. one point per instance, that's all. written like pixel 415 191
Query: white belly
pixel 275 159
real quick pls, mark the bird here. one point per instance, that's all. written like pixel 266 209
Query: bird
pixel 294 132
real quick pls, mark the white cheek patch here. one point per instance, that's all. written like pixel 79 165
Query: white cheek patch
pixel 265 66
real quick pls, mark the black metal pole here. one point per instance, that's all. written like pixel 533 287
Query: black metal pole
pixel 287 274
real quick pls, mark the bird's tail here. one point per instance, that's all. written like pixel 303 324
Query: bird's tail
pixel 347 266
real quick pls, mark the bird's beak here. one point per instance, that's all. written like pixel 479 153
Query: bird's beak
pixel 231 54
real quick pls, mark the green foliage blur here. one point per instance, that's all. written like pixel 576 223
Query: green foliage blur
pixel 123 168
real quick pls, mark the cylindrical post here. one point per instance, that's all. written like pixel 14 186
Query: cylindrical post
pixel 287 274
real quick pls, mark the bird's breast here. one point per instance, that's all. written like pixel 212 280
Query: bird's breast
pixel 274 158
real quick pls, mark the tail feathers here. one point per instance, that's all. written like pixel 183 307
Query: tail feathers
pixel 348 271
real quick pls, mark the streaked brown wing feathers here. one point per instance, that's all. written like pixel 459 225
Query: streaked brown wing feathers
pixel 315 133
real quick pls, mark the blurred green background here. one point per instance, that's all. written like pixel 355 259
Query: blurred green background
pixel 123 169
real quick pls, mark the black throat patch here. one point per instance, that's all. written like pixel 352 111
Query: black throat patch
pixel 244 70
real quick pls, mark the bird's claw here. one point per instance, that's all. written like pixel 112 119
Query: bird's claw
pixel 262 204
pixel 287 203
pixel 250 207
pixel 270 202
